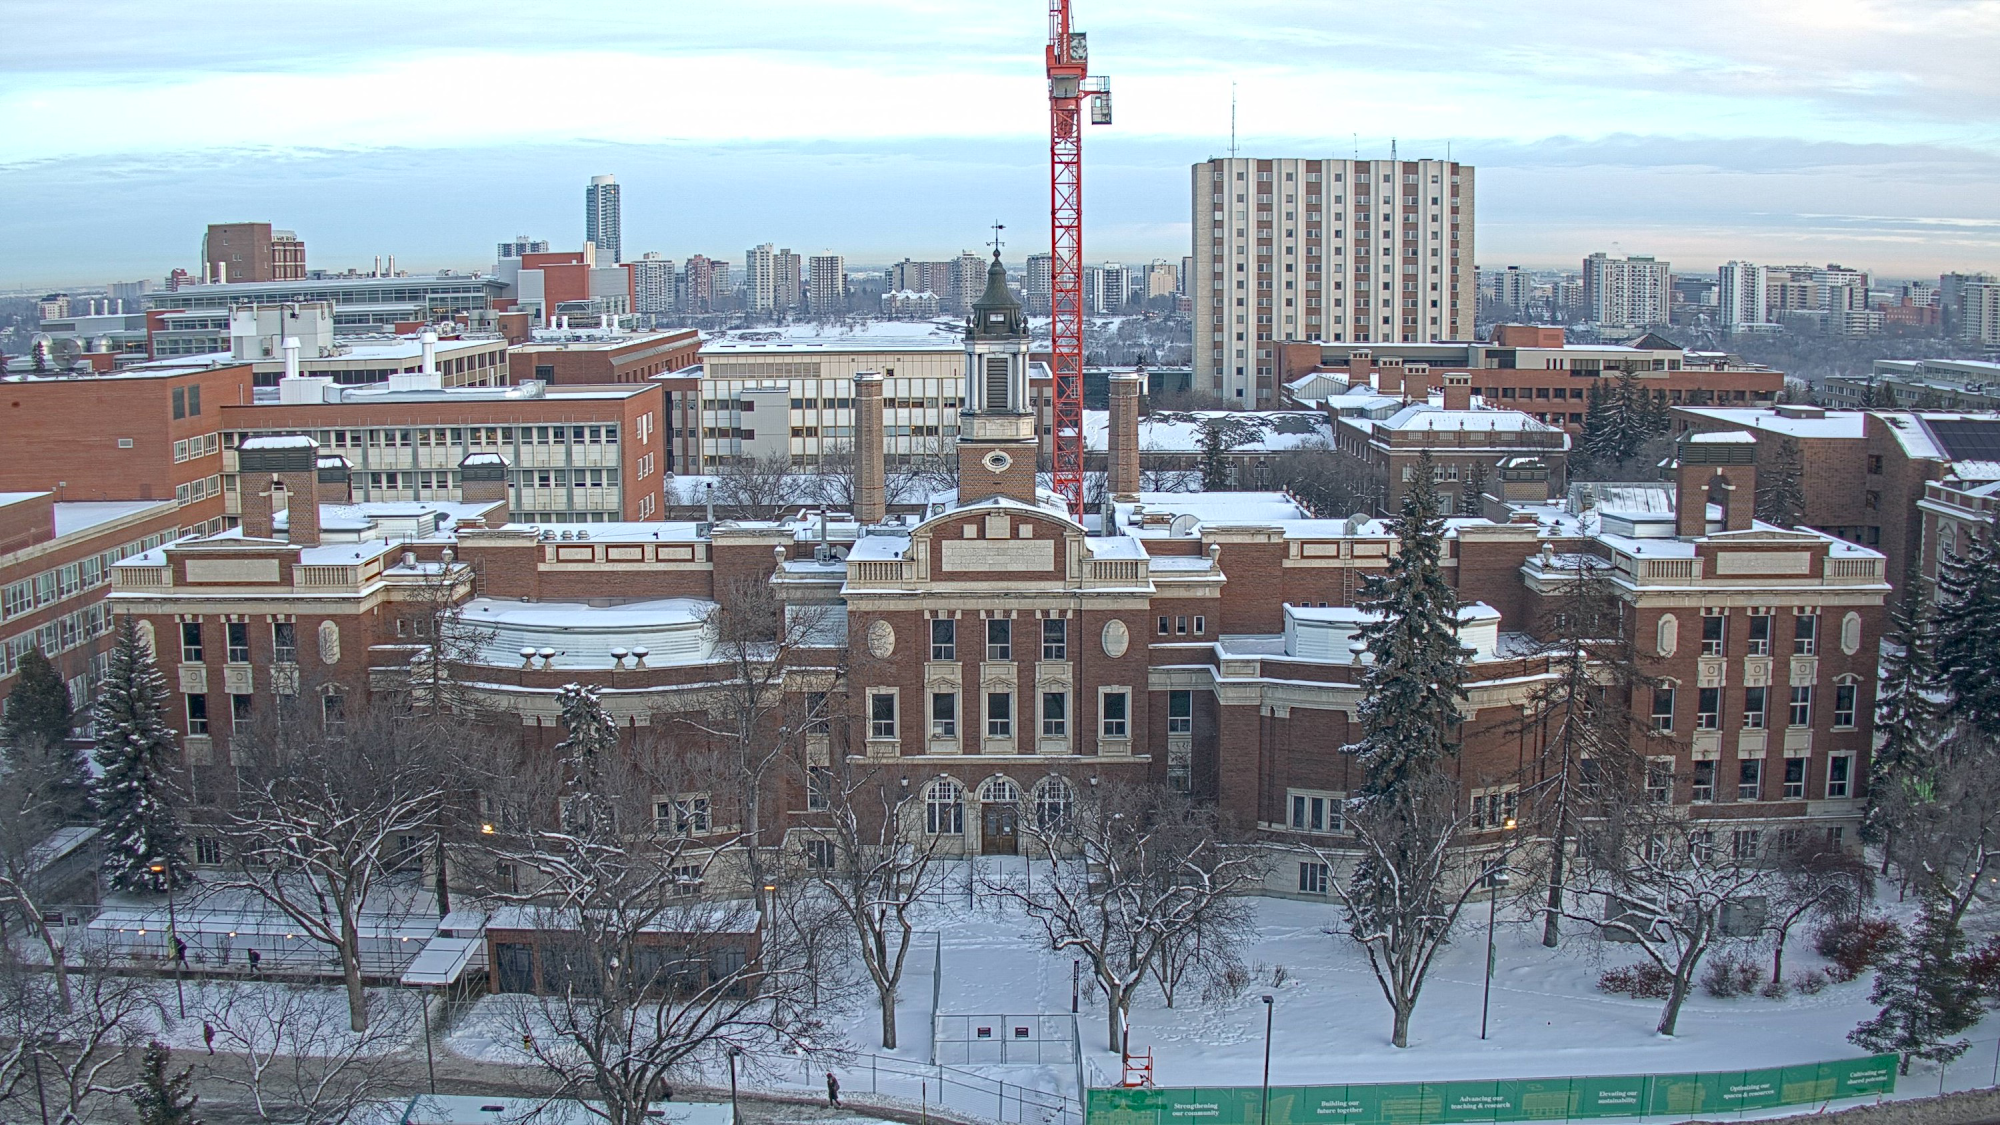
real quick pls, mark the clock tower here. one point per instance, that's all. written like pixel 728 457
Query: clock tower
pixel 997 443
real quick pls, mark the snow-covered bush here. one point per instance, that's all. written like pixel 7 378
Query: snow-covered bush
pixel 1854 945
pixel 1728 975
pixel 1808 982
pixel 1643 981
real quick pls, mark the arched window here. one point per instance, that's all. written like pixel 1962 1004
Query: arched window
pixel 999 791
pixel 1054 803
pixel 944 808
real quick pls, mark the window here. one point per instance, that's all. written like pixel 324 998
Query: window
pixel 1839 776
pixel 1180 712
pixel 239 711
pixel 1795 779
pixel 1805 634
pixel 1115 716
pixel 1055 714
pixel 285 642
pixel 1053 801
pixel 944 639
pixel 1754 707
pixel 944 714
pixel 1180 768
pixel 819 716
pixel 999 639
pixel 999 714
pixel 197 707
pixel 1704 781
pixel 944 808
pixel 333 712
pixel 1055 639
pixel 1701 846
pixel 1660 780
pixel 180 403
pixel 819 855
pixel 1843 705
pixel 1708 707
pixel 1313 877
pixel 882 715
pixel 1746 844
pixel 819 787
pixel 687 879
pixel 1750 779
pixel 1760 634
pixel 686 815
pixel 1495 808
pixel 1801 715
pixel 1663 708
pixel 238 635
pixel 1314 811
pixel 1711 634
pixel 190 642
pixel 1166 626
pixel 208 851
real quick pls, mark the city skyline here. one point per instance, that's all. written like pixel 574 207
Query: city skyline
pixel 1788 132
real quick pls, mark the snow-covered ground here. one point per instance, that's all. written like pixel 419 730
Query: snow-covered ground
pixel 1330 1024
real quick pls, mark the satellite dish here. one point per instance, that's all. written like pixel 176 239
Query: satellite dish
pixel 67 348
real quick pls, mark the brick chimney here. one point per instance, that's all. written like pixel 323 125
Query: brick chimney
pixel 1389 377
pixel 1360 367
pixel 1458 390
pixel 1123 443
pixel 294 460
pixel 482 479
pixel 1719 466
pixel 870 474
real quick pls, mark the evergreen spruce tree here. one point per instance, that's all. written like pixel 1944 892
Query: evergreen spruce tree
pixel 162 1099
pixel 1656 418
pixel 34 734
pixel 38 709
pixel 135 752
pixel 1409 713
pixel 1925 994
pixel 1781 492
pixel 1908 719
pixel 1968 632
pixel 592 736
pixel 1474 487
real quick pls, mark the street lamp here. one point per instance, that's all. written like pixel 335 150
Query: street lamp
pixel 1264 1103
pixel 734 1051
pixel 159 867
pixel 1495 879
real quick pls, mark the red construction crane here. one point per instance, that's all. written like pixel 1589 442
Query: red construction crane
pixel 1069 83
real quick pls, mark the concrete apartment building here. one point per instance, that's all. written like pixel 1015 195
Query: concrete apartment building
pixel 826 284
pixel 1627 292
pixel 997 656
pixel 1941 384
pixel 251 252
pixel 1743 297
pixel 653 284
pixel 1336 250
pixel 603 219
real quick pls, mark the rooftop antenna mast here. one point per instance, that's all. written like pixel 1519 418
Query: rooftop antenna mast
pixel 1068 63
pixel 1232 121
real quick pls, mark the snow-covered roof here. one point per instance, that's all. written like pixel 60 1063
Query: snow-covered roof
pixel 280 441
pixel 1180 431
pixel 1827 424
pixel 582 635
pixel 1723 437
pixel 484 459
pixel 73 516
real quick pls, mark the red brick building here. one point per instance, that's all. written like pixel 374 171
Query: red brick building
pixel 596 360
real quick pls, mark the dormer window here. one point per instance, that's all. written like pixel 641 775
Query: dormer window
pixel 996 318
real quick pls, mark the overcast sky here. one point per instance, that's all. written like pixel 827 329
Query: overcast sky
pixel 1697 130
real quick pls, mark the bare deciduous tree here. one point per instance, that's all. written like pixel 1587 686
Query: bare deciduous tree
pixel 755 488
pixel 1657 878
pixel 31 811
pixel 1119 876
pixel 324 813
pixel 872 857
pixel 1411 880
pixel 297 1059
pixel 639 975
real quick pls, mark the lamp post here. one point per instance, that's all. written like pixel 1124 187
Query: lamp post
pixel 159 867
pixel 1264 1102
pixel 733 1052
pixel 1496 878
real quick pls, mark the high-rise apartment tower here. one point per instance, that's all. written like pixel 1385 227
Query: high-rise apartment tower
pixel 600 218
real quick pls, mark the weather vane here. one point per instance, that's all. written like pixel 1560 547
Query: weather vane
pixel 997 228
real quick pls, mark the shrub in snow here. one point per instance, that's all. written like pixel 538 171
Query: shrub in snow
pixel 1982 969
pixel 1727 975
pixel 1855 945
pixel 1809 982
pixel 1775 989
pixel 1643 981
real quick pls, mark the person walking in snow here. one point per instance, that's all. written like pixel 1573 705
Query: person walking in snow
pixel 832 1090
pixel 208 1036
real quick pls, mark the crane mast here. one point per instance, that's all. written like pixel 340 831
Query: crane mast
pixel 1069 83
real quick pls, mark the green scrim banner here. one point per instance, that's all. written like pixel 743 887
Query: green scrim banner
pixel 1529 1099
